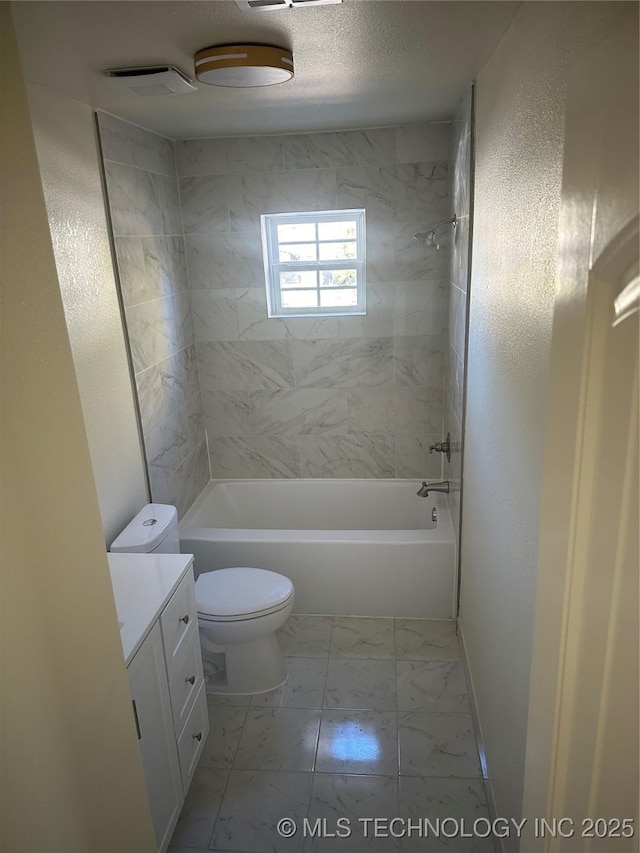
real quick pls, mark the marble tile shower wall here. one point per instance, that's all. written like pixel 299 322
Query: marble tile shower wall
pixel 144 203
pixel 460 168
pixel 335 396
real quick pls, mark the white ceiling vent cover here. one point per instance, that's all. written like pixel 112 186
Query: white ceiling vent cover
pixel 153 80
pixel 269 5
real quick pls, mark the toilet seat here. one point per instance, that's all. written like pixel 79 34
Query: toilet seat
pixel 236 594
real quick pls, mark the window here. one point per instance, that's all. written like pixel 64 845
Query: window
pixel 314 263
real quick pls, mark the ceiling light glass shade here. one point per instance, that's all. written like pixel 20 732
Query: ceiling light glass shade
pixel 243 65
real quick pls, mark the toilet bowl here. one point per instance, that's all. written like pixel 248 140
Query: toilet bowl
pixel 239 609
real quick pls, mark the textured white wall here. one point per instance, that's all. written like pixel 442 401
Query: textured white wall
pixel 68 159
pixel 518 165
pixel 68 749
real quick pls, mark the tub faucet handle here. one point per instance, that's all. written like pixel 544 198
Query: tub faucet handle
pixel 443 447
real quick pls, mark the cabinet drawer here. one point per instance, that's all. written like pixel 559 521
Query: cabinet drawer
pixel 179 617
pixel 193 737
pixel 185 679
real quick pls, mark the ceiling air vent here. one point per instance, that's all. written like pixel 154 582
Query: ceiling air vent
pixel 153 80
pixel 267 5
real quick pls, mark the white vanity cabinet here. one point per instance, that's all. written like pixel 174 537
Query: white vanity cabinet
pixel 156 738
pixel 155 600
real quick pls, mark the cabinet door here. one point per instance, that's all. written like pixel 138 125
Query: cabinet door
pixel 156 738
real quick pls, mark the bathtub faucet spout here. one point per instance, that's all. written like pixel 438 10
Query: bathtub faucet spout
pixel 425 488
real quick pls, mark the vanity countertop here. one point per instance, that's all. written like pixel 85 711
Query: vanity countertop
pixel 142 585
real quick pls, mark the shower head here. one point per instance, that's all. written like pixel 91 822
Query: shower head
pixel 424 237
pixel 429 238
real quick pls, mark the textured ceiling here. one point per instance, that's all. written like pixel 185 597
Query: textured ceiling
pixel 364 63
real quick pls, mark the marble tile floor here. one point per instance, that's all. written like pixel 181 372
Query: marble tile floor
pixel 373 722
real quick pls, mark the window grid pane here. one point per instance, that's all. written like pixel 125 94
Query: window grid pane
pixel 338 278
pixel 296 232
pixel 345 230
pixel 314 263
pixel 339 297
pixel 297 252
pixel 300 298
pixel 296 279
pixel 330 251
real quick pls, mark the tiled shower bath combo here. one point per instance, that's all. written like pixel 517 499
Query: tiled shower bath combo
pixel 300 397
pixel 374 721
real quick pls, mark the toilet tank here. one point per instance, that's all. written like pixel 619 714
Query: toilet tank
pixel 153 530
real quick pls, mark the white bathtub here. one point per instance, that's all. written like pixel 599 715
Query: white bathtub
pixel 352 547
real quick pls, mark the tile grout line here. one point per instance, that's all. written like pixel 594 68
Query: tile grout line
pixel 233 760
pixel 215 822
pixel 324 691
pixel 244 723
pixel 398 750
pixel 322 700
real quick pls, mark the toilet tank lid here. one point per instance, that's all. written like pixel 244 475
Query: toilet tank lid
pixel 147 530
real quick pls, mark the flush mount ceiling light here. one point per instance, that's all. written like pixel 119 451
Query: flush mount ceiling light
pixel 244 65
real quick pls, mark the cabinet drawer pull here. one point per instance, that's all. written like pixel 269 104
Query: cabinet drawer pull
pixel 198 736
pixel 184 619
pixel 191 680
pixel 135 717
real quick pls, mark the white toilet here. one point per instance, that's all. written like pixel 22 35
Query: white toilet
pixel 239 609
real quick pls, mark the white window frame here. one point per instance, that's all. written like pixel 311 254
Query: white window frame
pixel 273 266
